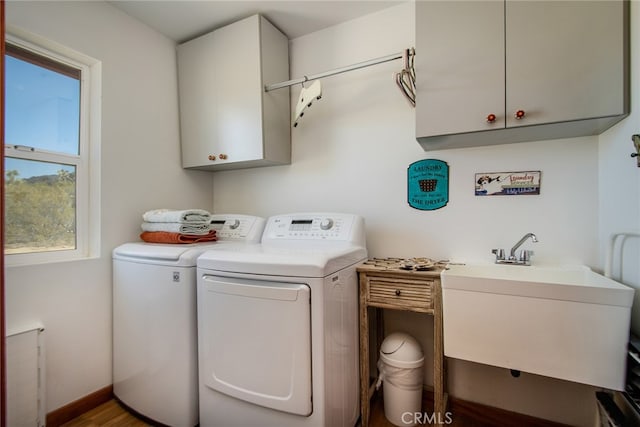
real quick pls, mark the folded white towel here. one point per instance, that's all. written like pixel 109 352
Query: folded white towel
pixel 182 216
pixel 175 227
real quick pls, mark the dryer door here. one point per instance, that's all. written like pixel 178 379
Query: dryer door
pixel 255 341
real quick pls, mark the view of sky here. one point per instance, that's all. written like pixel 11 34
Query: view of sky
pixel 42 110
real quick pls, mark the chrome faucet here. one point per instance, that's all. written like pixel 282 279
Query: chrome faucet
pixel 524 257
pixel 534 239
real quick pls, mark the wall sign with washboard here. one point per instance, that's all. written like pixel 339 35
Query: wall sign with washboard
pixel 428 184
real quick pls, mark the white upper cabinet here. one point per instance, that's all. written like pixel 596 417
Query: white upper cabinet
pixel 227 120
pixel 494 72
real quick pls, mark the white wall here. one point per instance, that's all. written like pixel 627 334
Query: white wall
pixel 140 162
pixel 351 152
pixel 619 180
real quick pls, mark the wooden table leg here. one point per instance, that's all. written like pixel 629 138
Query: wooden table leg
pixel 364 356
pixel 438 362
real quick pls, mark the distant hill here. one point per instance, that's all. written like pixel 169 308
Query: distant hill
pixel 49 179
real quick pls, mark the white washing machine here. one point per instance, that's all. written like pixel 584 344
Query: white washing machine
pixel 155 371
pixel 278 325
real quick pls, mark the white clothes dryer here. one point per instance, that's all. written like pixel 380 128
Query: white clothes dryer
pixel 155 371
pixel 278 325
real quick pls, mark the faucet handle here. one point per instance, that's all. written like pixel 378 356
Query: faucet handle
pixel 499 253
pixel 525 255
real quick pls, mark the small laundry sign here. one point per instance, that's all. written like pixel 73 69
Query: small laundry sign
pixel 428 184
pixel 507 183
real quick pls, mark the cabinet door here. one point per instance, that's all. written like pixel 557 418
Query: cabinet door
pixel 459 66
pixel 196 78
pixel 563 60
pixel 240 88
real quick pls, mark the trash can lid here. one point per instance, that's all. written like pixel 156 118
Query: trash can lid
pixel 401 350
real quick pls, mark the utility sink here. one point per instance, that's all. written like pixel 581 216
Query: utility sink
pixel 565 322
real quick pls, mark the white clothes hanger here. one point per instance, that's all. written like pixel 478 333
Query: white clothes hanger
pixel 306 98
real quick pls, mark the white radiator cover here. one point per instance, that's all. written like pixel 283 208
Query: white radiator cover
pixel 25 378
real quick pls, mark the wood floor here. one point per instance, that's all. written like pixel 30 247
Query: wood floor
pixel 113 414
pixel 107 414
pixel 379 420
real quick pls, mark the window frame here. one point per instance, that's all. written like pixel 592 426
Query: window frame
pixel 86 162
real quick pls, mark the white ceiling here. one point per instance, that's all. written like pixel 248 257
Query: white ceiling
pixel 182 20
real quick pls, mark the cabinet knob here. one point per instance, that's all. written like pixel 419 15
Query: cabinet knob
pixel 223 156
pixel 491 118
pixel 519 114
pixel 211 157
pixel 398 292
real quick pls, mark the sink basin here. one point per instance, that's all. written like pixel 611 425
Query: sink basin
pixel 572 283
pixel 565 322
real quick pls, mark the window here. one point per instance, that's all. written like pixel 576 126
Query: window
pixel 48 166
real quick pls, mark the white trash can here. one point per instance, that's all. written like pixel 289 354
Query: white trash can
pixel 401 369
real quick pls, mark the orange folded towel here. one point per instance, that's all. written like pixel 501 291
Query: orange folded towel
pixel 168 237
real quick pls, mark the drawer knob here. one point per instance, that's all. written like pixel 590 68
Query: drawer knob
pixel 398 292
pixel 223 156
pixel 491 118
pixel 519 114
pixel 211 157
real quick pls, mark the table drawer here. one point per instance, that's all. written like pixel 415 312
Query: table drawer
pixel 401 293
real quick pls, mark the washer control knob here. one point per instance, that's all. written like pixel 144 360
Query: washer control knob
pixel 234 224
pixel 326 223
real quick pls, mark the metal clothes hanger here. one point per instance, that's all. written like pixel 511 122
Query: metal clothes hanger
pixel 406 79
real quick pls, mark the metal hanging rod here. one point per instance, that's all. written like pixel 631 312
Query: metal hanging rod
pixel 357 66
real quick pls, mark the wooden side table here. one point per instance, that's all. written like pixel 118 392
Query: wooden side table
pixel 384 284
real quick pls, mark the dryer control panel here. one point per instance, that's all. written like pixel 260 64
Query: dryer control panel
pixel 245 228
pixel 315 226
